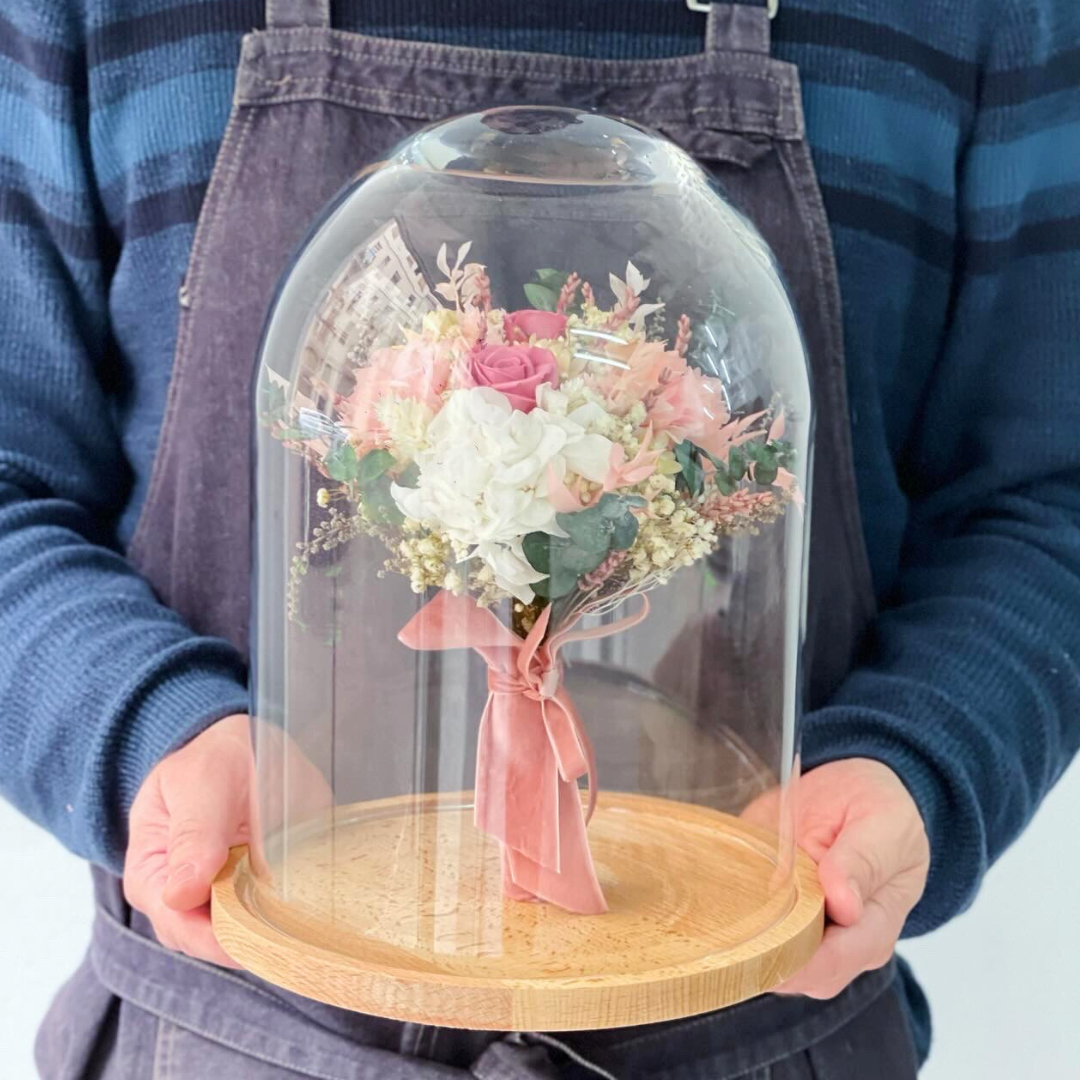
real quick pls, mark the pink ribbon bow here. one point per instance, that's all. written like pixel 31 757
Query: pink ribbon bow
pixel 532 749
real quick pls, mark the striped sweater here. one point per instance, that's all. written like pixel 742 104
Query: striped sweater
pixel 946 134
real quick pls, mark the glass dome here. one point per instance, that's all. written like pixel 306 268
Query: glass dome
pixel 533 441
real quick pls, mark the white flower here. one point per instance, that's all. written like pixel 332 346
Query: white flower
pixel 511 569
pixel 483 478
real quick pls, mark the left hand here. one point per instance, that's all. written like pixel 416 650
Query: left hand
pixel 857 821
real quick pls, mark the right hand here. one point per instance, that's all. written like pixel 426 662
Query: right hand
pixel 193 806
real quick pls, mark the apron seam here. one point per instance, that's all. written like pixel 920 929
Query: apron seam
pixel 350 95
pixel 804 182
pixel 460 59
pixel 162 1067
pixel 539 75
pixel 225 169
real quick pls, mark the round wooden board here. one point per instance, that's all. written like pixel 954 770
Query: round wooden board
pixel 397 912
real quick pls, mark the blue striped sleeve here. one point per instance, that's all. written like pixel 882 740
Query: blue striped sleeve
pixel 97 679
pixel 970 683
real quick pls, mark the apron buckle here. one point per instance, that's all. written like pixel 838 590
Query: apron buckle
pixel 771 6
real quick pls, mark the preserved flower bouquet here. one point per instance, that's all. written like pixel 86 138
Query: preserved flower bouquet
pixel 564 457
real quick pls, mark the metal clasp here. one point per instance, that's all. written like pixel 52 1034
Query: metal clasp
pixel 771 6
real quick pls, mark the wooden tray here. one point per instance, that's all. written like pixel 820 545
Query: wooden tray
pixel 396 911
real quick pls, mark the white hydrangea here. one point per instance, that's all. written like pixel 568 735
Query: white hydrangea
pixel 483 478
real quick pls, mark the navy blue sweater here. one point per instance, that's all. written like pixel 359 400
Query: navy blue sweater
pixel 947 138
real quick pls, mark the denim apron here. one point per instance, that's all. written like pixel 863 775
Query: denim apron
pixel 312 105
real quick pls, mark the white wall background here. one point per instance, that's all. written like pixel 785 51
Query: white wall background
pixel 1002 979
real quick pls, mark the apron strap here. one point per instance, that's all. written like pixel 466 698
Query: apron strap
pixel 288 14
pixel 740 27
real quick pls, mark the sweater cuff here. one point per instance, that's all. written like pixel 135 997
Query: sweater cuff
pixel 945 802
pixel 180 704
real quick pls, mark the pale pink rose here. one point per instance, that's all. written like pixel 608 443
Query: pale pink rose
pixel 528 323
pixel 418 370
pixel 689 406
pixel 514 370
pixel 642 370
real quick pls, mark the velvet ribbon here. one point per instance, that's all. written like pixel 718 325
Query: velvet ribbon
pixel 531 750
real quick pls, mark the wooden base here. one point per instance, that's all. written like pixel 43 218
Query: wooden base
pixel 396 911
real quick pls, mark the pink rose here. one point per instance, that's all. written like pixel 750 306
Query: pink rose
pixel 530 323
pixel 514 370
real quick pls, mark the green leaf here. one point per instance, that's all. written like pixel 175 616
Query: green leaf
pixel 587 528
pixel 378 504
pixel 736 463
pixel 271 397
pixel 409 477
pixel 724 482
pixel 541 297
pixel 576 561
pixel 764 473
pixel 372 465
pixel 559 584
pixel 552 279
pixel 624 533
pixel 637 501
pixel 785 452
pixel 610 505
pixel 537 548
pixel 692 477
pixel 341 463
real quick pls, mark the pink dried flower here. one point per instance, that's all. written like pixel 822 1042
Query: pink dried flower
pixel 567 292
pixel 588 295
pixel 597 577
pixel 682 339
pixel 521 326
pixel 623 312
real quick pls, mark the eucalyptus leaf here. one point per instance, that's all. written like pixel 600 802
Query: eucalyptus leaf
pixel 736 463
pixel 372 465
pixel 625 532
pixel 558 584
pixel 692 476
pixel 541 297
pixel 764 473
pixel 378 504
pixel 724 483
pixel 576 561
pixel 610 505
pixel 785 452
pixel 537 548
pixel 587 528
pixel 341 463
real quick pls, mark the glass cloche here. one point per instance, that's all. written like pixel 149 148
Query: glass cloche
pixel 533 439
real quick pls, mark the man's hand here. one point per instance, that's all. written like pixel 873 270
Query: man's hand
pixel 193 806
pixel 858 822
